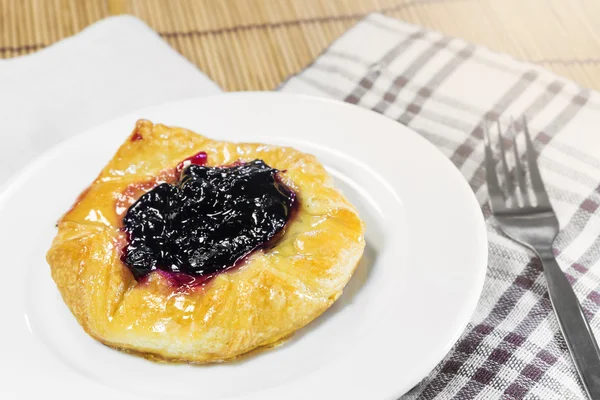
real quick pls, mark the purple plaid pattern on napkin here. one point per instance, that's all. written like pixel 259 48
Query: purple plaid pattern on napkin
pixel 443 88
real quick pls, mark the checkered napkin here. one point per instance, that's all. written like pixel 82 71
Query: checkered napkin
pixel 443 88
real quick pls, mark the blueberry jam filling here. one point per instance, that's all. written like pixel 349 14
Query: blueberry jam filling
pixel 210 219
pixel 196 159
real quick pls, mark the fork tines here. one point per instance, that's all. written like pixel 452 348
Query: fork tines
pixel 510 195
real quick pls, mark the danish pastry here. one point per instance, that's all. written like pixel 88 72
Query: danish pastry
pixel 191 249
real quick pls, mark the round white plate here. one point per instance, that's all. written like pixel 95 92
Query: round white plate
pixel 406 305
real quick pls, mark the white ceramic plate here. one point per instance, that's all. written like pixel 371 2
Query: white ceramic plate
pixel 406 305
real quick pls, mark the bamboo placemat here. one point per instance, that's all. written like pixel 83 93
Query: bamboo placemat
pixel 255 44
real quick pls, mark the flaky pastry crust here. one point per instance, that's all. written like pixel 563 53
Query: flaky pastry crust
pixel 275 292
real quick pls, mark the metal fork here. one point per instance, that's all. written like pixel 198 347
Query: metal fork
pixel 533 223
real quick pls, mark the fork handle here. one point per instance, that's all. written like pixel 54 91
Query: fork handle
pixel 574 326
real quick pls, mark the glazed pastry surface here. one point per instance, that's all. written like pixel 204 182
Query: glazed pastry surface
pixel 274 291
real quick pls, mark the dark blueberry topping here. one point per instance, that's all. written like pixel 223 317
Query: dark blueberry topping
pixel 210 219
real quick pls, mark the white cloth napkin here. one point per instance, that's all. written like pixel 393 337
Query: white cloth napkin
pixel 112 67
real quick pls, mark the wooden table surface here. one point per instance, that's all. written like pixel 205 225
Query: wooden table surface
pixel 255 44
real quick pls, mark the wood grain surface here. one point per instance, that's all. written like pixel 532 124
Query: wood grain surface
pixel 255 44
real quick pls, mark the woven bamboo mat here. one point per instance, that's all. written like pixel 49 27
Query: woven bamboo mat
pixel 255 44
